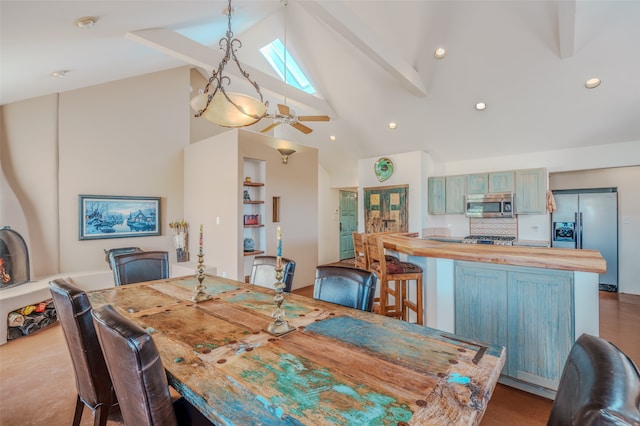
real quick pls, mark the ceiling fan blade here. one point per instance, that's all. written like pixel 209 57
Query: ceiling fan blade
pixel 313 117
pixel 270 126
pixel 284 110
pixel 304 129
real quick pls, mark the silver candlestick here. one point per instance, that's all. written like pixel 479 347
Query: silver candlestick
pixel 279 325
pixel 199 294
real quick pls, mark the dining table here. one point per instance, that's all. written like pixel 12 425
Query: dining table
pixel 338 366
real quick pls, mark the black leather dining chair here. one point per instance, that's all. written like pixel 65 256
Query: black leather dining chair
pixel 599 385
pixel 138 376
pixel 93 382
pixel 351 287
pixel 135 267
pixel 109 253
pixel 263 272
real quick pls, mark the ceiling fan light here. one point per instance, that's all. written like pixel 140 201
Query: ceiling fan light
pixel 246 111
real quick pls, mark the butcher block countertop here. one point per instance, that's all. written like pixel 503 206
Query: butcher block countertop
pixel 536 257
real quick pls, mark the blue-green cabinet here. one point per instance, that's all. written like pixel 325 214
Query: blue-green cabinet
pixel 481 303
pixel 478 183
pixel 437 195
pixel 501 182
pixel 527 310
pixel 455 188
pixel 540 325
pixel 531 191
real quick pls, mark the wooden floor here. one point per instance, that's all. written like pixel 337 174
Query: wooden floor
pixel 37 384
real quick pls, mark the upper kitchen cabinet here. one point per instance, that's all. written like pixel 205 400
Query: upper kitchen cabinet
pixel 531 191
pixel 501 182
pixel 436 195
pixel 478 183
pixel 455 188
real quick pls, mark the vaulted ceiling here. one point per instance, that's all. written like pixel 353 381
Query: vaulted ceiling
pixel 372 62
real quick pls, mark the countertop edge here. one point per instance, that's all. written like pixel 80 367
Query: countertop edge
pixel 536 257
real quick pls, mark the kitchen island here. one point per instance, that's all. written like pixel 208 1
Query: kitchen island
pixel 534 301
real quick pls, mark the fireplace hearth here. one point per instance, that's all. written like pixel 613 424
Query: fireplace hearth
pixel 14 259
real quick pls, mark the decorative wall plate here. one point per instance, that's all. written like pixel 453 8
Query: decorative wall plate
pixel 383 169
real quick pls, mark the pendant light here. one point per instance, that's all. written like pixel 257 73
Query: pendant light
pixel 229 109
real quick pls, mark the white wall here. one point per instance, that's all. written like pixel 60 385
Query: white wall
pixel 213 189
pixel 328 220
pixel 30 179
pixel 121 138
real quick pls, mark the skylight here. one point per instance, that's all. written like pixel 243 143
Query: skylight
pixel 274 54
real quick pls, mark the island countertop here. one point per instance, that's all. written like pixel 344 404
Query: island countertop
pixel 536 257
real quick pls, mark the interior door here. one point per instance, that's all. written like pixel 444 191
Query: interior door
pixel 348 222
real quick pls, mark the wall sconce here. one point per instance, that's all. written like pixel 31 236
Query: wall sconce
pixel 285 153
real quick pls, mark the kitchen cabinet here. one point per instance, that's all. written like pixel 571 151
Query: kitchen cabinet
pixel 437 195
pixel 527 310
pixel 531 191
pixel 501 182
pixel 478 183
pixel 455 189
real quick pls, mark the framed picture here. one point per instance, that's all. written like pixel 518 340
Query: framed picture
pixel 112 216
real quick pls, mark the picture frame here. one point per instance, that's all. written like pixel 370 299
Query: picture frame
pixel 115 216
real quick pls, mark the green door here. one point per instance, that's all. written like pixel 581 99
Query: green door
pixel 348 222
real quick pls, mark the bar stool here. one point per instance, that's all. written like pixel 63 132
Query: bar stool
pixel 361 260
pixel 398 272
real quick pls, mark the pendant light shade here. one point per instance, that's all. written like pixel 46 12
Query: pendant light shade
pixel 229 109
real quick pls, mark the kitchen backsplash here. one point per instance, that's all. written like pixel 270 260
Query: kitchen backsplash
pixel 507 227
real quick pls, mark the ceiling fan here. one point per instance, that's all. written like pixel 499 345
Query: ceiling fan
pixel 287 115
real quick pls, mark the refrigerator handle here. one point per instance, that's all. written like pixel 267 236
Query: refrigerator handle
pixel 580 233
pixel 576 237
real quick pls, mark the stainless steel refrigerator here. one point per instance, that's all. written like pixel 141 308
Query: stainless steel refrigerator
pixel 588 219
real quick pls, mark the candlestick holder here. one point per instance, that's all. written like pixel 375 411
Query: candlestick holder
pixel 199 294
pixel 279 325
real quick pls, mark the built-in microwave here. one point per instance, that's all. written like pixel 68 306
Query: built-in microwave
pixel 489 205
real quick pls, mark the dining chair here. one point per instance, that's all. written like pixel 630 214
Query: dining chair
pixel 109 253
pixel 138 376
pixel 263 272
pixel 351 287
pixel 93 382
pixel 398 273
pixel 135 267
pixel 599 385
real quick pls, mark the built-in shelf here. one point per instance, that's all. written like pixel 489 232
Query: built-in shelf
pixel 253 202
pixel 254 226
pixel 253 184
pixel 253 253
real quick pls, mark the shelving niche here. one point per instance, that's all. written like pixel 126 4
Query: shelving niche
pixel 253 212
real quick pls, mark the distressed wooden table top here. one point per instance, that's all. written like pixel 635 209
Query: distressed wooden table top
pixel 340 366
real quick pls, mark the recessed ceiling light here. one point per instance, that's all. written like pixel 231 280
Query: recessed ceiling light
pixel 481 106
pixel 440 53
pixel 332 138
pixel 392 125
pixel 85 23
pixel 59 74
pixel 592 83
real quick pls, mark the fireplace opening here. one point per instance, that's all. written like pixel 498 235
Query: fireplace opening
pixel 14 259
